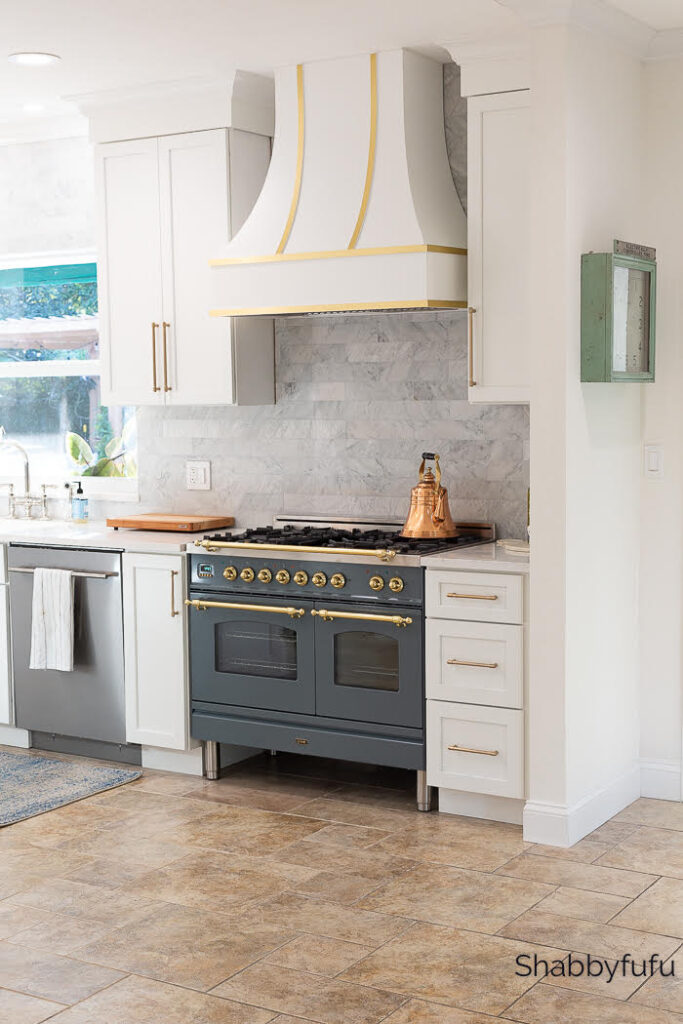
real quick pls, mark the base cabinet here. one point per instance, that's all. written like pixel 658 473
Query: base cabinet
pixel 475 749
pixel 155 641
pixel 6 681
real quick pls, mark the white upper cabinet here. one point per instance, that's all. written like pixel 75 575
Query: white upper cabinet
pixel 498 207
pixel 164 210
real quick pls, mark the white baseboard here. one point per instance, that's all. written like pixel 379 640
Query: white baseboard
pixel 186 762
pixel 12 737
pixel 661 780
pixel 477 805
pixel 563 825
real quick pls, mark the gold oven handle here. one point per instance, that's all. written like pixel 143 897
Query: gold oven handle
pixel 201 606
pixel 384 554
pixel 155 386
pixel 475 597
pixel 473 664
pixel 471 382
pixel 164 328
pixel 174 573
pixel 474 750
pixel 327 616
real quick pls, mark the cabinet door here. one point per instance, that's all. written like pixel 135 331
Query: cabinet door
pixel 129 271
pixel 6 682
pixel 157 707
pixel 197 366
pixel 475 749
pixel 498 206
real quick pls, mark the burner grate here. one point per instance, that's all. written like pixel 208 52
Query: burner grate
pixel 330 537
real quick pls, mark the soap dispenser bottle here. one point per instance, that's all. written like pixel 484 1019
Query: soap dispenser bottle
pixel 79 505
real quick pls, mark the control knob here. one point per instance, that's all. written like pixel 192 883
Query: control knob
pixel 338 580
pixel 247 574
pixel 376 583
pixel 230 572
pixel 282 576
pixel 301 578
pixel 319 579
pixel 396 584
pixel 265 575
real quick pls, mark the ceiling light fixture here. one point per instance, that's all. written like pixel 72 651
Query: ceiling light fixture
pixel 33 59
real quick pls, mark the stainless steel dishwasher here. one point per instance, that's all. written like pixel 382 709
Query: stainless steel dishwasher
pixel 82 711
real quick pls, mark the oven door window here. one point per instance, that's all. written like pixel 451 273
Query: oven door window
pixel 366 660
pixel 255 649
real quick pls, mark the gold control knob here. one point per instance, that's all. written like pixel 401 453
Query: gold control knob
pixel 338 580
pixel 301 578
pixel 247 574
pixel 396 584
pixel 282 576
pixel 265 575
pixel 376 583
pixel 230 572
pixel 319 579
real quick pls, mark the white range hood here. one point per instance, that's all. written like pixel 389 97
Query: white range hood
pixel 358 210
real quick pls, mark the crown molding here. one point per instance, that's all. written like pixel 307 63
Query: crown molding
pixel 593 15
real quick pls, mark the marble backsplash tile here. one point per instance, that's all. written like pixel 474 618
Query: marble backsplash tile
pixel 358 400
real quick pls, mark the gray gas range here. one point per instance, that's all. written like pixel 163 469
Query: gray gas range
pixel 308 636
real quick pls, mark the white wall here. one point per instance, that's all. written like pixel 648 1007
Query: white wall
pixel 662 501
pixel 585 445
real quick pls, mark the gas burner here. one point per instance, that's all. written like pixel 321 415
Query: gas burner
pixel 351 539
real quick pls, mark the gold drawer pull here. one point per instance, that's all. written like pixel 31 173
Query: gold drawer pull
pixel 473 664
pixel 475 597
pixel 473 750
pixel 302 742
pixel 384 554
pixel 201 606
pixel 174 612
pixel 471 382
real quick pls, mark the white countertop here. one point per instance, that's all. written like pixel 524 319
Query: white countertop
pixel 95 534
pixel 486 557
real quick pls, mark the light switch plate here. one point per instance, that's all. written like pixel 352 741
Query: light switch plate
pixel 198 475
pixel 653 461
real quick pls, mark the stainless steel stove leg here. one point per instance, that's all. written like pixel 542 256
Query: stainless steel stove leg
pixel 424 792
pixel 211 759
pixel 273 753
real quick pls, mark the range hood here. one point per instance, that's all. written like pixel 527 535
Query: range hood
pixel 358 210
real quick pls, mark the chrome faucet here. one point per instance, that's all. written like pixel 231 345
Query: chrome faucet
pixel 4 443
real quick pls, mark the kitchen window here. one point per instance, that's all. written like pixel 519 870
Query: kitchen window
pixel 50 380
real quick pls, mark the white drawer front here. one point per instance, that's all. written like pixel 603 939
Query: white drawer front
pixel 474 596
pixel 479 750
pixel 474 662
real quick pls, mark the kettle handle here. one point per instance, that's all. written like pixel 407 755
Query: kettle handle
pixel 437 468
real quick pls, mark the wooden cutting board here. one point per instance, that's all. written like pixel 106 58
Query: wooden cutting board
pixel 174 523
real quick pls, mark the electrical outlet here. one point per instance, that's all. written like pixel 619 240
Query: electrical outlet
pixel 198 476
pixel 653 461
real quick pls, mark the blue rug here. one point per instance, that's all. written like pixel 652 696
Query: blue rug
pixel 32 785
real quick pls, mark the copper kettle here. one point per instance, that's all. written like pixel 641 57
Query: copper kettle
pixel 429 516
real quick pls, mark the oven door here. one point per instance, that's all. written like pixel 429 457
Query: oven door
pixel 368 668
pixel 254 653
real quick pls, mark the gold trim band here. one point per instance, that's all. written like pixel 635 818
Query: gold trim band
pixel 299 158
pixel 209 544
pixel 328 254
pixel 341 307
pixel 371 152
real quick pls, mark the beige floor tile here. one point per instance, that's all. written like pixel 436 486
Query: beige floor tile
pixel 14 881
pixel 597 878
pixel 606 940
pixel 445 965
pixel 122 844
pixel 656 813
pixel 36 973
pixel 62 935
pixel 191 948
pixel 16 1008
pixel 15 919
pixel 44 831
pixel 664 993
pixel 108 874
pixel 585 973
pixel 369 863
pixel 583 904
pixel 337 888
pixel 257 799
pixel 142 1001
pixel 659 909
pixel 305 914
pixel 76 899
pixel 131 800
pixel 463 847
pixel 658 848
pixel 168 785
pixel 84 814
pixel 48 863
pixel 245 830
pixel 291 785
pixel 378 796
pixel 614 832
pixel 318 954
pixel 296 992
pixel 348 813
pixel 455 897
pixel 415 1011
pixel 352 837
pixel 547 1005
pixel 586 851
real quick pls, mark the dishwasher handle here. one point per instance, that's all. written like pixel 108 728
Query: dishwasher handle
pixel 74 572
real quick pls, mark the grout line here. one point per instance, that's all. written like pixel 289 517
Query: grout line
pixel 643 983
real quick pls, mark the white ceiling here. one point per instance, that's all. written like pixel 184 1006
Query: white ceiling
pixel 122 44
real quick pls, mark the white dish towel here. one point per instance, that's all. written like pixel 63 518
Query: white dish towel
pixel 52 620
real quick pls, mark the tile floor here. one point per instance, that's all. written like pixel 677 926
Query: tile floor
pixel 299 890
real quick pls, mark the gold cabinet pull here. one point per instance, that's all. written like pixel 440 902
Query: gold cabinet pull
pixel 164 328
pixel 475 597
pixel 327 616
pixel 300 740
pixel 474 750
pixel 384 554
pixel 470 347
pixel 473 664
pixel 201 606
pixel 155 386
pixel 174 573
